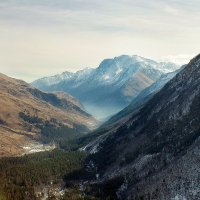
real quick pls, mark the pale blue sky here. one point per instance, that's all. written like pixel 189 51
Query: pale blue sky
pixel 44 37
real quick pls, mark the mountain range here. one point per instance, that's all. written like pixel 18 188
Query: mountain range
pixel 154 153
pixel 147 151
pixel 110 87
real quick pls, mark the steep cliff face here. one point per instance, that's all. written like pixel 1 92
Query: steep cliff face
pixel 154 146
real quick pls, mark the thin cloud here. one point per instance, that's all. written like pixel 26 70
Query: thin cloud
pixel 55 36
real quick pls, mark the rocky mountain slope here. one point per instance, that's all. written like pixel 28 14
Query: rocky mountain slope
pixel 110 87
pixel 27 115
pixel 142 98
pixel 155 153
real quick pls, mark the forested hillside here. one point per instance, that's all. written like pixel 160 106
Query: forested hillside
pixel 24 178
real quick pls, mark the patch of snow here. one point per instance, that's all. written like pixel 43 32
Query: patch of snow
pixel 179 197
pixel 113 70
pixel 106 77
pixel 92 148
pixel 119 70
pixel 36 147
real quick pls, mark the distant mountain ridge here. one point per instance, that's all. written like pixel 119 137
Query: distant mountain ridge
pixel 111 86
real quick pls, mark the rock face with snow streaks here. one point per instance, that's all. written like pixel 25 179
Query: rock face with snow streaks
pixel 156 150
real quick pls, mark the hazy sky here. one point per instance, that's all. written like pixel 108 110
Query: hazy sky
pixel 44 37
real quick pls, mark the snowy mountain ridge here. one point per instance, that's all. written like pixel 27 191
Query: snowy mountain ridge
pixel 153 153
pixel 113 84
pixel 121 62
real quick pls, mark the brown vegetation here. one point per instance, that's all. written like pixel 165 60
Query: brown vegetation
pixel 17 96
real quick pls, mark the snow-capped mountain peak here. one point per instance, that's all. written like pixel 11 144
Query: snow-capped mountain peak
pixel 115 82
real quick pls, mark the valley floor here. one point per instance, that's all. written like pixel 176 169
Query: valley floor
pixel 35 147
pixel 18 143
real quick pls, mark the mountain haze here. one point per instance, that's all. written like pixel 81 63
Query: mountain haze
pixel 154 154
pixel 110 87
pixel 144 96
